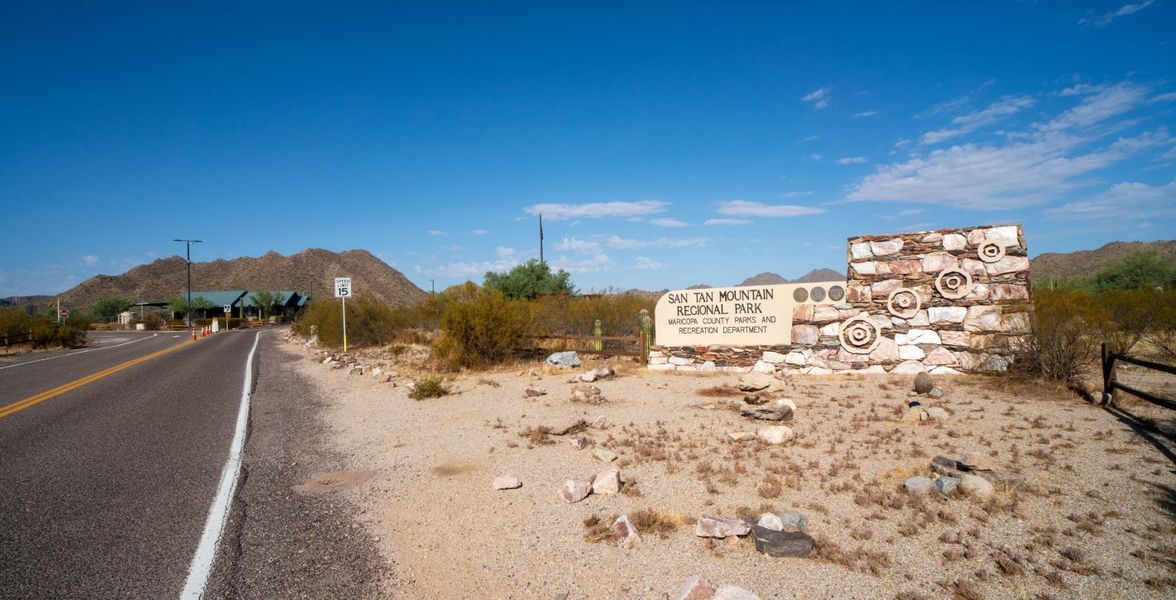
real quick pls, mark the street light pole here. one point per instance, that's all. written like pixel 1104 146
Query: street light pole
pixel 188 244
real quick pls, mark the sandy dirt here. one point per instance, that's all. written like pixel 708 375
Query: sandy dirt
pixel 1087 508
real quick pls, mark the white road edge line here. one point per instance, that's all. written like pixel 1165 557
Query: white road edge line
pixel 76 353
pixel 201 568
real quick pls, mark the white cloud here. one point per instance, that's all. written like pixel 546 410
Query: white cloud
pixel 819 97
pixel 727 222
pixel 617 242
pixel 1031 166
pixel 997 177
pixel 596 210
pixel 667 222
pixel 1122 11
pixel 645 263
pixel 452 248
pixel 972 121
pixel 815 156
pixel 89 260
pixel 865 114
pixel 747 208
pixel 436 233
pixel 851 160
pixel 507 259
pixel 796 194
pixel 1122 202
pixel 478 232
pixel 599 262
pixel 812 138
pixel 1107 102
pixel 571 243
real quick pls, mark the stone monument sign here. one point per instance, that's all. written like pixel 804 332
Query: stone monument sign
pixel 758 315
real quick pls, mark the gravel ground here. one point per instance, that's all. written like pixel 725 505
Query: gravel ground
pixel 1087 510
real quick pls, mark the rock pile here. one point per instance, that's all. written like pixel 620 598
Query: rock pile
pixel 953 476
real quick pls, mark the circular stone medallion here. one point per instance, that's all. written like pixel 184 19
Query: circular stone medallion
pixel 836 293
pixel 800 294
pixel 818 294
pixel 953 284
pixel 990 251
pixel 860 335
pixel 904 303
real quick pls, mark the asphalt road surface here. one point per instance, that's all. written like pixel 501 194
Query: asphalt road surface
pixel 107 480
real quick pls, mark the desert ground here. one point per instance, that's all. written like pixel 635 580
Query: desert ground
pixel 1082 505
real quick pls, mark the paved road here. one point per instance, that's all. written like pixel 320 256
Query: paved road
pixel 104 489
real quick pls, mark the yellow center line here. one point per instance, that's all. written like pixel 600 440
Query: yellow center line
pixel 20 405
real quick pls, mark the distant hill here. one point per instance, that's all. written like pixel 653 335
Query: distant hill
pixel 25 300
pixel 811 276
pixel 1059 265
pixel 309 272
pixel 763 279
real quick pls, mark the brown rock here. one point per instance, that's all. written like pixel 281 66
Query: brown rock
pixel 696 588
pixel 574 490
pixel 923 383
pixel 805 334
pixel 625 531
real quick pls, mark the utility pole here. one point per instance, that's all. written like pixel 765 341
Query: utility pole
pixel 188 256
pixel 540 238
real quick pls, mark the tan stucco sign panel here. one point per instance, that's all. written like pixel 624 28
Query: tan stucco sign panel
pixel 735 316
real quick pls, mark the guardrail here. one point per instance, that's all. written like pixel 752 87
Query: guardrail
pixel 1111 383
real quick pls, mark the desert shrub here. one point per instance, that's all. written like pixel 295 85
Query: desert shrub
pixel 47 333
pixel 485 330
pixel 429 387
pixel 14 322
pixel 1064 343
pixel 576 315
pixel 1123 318
pixel 1143 269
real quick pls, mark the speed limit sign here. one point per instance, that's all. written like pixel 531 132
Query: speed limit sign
pixel 342 287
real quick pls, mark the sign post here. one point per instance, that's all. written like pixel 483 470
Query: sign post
pixel 342 292
pixel 228 313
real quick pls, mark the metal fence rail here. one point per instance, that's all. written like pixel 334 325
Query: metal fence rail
pixel 1111 383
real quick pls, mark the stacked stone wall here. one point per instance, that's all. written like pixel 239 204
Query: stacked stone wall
pixel 946 301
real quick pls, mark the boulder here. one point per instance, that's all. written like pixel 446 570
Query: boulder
pixel 567 359
pixel 791 404
pixel 586 393
pixel 775 412
pixel 569 426
pixel 770 521
pixel 918 485
pixel 793 521
pixel 720 527
pixel 754 382
pixel 947 484
pixel 976 461
pixel 923 383
pixel 605 372
pixel 574 490
pixel 604 454
pixel 696 588
pixel 975 486
pixel 775 434
pixel 733 592
pixel 588 377
pixel 507 482
pixel 607 482
pixel 533 391
pixel 782 543
pixel 740 436
pixel 625 531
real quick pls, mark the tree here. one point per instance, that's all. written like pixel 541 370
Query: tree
pixel 529 280
pixel 179 304
pixel 109 308
pixel 265 300
pixel 1143 269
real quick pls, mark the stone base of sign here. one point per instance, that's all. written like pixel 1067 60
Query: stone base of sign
pixel 944 302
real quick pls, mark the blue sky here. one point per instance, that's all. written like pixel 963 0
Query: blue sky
pixel 665 144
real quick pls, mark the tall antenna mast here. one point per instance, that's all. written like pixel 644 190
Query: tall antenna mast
pixel 540 238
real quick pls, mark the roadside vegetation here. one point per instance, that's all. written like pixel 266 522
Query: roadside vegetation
pixel 38 330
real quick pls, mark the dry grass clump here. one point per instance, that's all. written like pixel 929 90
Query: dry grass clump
pixel 429 387
pixel 597 530
pixel 538 436
pixel 650 521
pixel 861 558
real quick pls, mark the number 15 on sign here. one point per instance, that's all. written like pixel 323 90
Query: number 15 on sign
pixel 343 292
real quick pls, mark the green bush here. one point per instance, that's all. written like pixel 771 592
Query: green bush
pixel 530 280
pixel 1065 340
pixel 429 387
pixel 486 330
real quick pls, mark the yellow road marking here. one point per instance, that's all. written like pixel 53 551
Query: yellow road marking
pixel 20 405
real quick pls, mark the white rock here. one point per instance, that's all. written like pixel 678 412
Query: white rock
pixel 600 422
pixel 507 482
pixel 865 267
pixel 604 454
pixel 771 521
pixel 939 261
pixel 954 241
pixel 574 490
pixel 740 436
pixel 607 482
pixel 681 361
pixel 975 486
pixel 1008 264
pixel 923 336
pixel 909 367
pixel 860 251
pixel 764 367
pixel 775 434
pixel 945 371
pixel 910 353
pixel 796 358
pixel 832 329
pixel 816 371
pixel 983 318
pixel 773 357
pixel 947 314
pixel 886 247
pixel 719 527
pixel 940 356
pixel 823 313
pixel 661 367
pixel 919 320
pixel 696 588
pixel 956 338
pixel 1005 236
pixel 787 402
pixel 733 592
pixel 707 367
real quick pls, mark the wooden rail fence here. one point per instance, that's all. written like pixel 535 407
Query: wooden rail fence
pixel 1111 383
